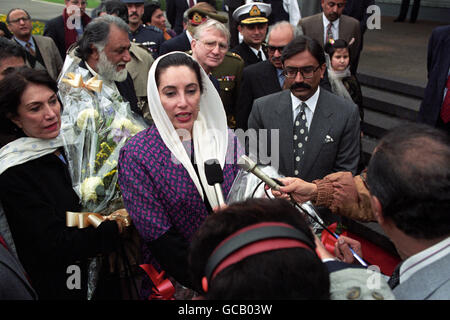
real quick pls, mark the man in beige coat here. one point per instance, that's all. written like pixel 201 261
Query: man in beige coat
pixel 331 23
pixel 42 52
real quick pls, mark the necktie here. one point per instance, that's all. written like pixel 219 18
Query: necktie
pixel 300 138
pixel 191 3
pixel 281 79
pixel 259 56
pixel 445 109
pixel 30 49
pixel 394 280
pixel 329 33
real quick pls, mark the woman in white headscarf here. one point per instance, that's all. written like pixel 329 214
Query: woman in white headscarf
pixel 161 169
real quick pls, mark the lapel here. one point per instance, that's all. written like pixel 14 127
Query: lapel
pixel 284 122
pixel 269 80
pixel 44 50
pixel 252 58
pixel 317 26
pixel 444 65
pixel 320 126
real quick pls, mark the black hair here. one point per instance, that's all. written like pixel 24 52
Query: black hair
pixel 149 9
pixel 179 59
pixel 118 8
pixel 331 48
pixel 12 87
pixel 303 43
pixel 9 48
pixel 97 34
pixel 409 173
pixel 294 273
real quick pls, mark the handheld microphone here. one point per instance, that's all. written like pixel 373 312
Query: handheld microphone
pixel 214 176
pixel 248 165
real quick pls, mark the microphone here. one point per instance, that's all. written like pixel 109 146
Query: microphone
pixel 248 165
pixel 214 176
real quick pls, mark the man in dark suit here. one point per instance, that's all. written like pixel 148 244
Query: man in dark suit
pixel 253 24
pixel 109 61
pixel 42 52
pixel 332 24
pixel 266 77
pixel 68 27
pixel 176 8
pixel 315 132
pixel 435 107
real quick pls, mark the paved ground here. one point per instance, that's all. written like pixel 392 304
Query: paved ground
pixel 397 51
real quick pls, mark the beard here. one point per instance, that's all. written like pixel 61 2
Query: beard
pixel 108 71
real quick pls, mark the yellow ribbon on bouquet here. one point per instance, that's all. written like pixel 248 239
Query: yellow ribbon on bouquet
pixel 76 81
pixel 85 219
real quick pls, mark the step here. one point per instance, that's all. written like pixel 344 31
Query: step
pixel 391 85
pixel 376 123
pixel 395 104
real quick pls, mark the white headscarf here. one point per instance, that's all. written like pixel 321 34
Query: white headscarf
pixel 335 79
pixel 210 131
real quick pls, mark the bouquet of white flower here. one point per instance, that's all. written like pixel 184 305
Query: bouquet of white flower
pixel 96 123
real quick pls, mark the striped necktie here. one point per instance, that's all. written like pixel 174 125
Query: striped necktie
pixel 30 49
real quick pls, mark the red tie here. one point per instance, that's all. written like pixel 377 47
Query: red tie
pixel 3 242
pixel 445 110
pixel 191 3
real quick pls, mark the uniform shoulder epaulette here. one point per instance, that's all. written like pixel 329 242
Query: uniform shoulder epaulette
pixel 234 55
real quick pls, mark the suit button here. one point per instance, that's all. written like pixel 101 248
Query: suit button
pixel 354 293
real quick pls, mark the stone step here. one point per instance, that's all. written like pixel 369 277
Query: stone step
pixel 391 85
pixel 391 103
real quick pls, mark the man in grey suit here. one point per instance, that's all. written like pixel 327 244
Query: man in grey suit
pixel 42 52
pixel 329 140
pixel 331 23
pixel 409 180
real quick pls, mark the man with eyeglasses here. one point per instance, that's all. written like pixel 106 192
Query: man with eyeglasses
pixel 318 131
pixel 331 25
pixel 209 45
pixel 41 51
pixel 67 28
pixel 253 24
pixel 266 77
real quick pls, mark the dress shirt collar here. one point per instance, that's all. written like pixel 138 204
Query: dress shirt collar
pixel 334 28
pixel 263 56
pixel 24 43
pixel 189 36
pixel 423 259
pixel 311 104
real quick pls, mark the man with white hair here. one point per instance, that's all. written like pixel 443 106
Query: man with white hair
pixel 104 51
pixel 209 46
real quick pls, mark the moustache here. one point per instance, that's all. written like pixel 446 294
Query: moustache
pixel 300 85
pixel 134 14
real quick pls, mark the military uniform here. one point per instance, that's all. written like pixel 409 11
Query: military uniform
pixel 138 68
pixel 229 75
pixel 149 36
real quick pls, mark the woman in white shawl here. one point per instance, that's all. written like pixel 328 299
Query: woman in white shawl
pixel 161 169
pixel 36 189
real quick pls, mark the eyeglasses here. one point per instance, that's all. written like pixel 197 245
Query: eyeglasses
pixel 24 19
pixel 81 3
pixel 211 45
pixel 272 49
pixel 306 72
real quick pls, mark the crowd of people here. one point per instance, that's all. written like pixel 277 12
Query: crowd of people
pixel 281 73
